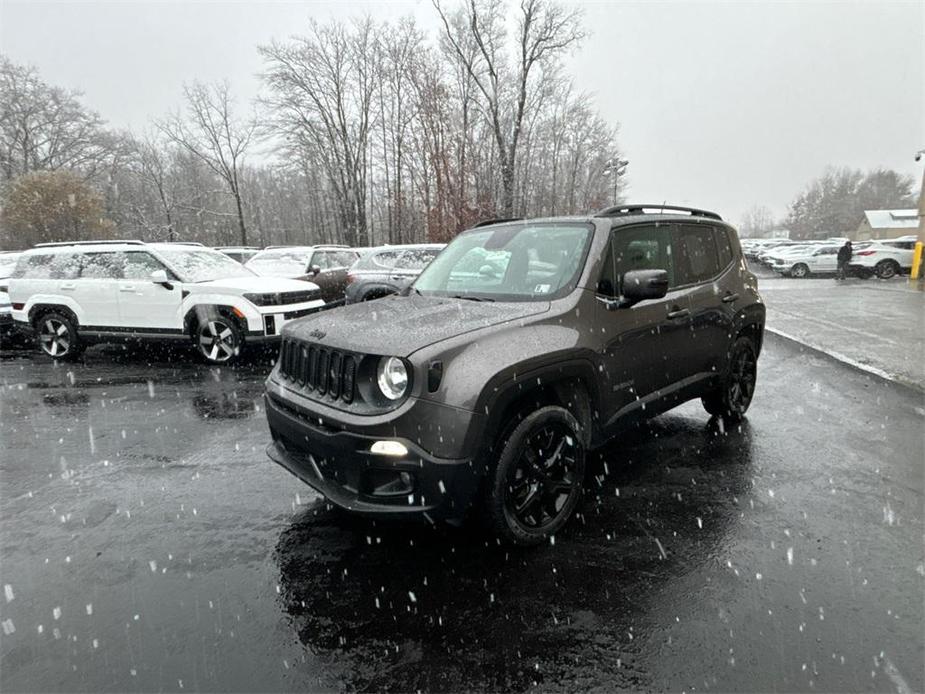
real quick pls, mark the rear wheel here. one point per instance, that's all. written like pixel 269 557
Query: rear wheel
pixel 218 340
pixel 539 478
pixel 799 270
pixel 732 398
pixel 56 336
pixel 887 269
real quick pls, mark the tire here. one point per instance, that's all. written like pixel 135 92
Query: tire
pixel 217 339
pixel 799 270
pixel 887 269
pixel 56 336
pixel 734 394
pixel 529 498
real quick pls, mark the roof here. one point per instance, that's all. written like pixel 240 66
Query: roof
pixel 892 219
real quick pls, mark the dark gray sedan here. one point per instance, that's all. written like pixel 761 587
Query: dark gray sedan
pixel 387 270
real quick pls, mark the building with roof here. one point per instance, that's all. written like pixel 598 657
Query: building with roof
pixel 887 224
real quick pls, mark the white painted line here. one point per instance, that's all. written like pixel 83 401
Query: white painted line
pixel 838 356
pixel 831 324
pixel 902 687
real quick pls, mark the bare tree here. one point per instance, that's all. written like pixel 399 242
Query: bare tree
pixel 757 221
pixel 322 92
pixel 544 31
pixel 210 132
pixel 46 128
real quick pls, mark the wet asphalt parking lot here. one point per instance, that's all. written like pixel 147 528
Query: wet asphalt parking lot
pixel 148 544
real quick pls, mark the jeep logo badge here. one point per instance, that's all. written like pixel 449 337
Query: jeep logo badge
pixel 317 334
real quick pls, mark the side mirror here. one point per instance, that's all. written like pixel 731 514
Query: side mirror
pixel 640 285
pixel 314 270
pixel 160 277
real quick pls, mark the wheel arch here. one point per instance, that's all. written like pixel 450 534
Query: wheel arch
pixel 40 309
pixel 571 385
pixel 197 313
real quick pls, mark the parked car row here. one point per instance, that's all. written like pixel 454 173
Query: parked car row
pixel 69 295
pixel 884 258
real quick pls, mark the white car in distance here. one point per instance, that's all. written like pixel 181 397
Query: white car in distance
pixel 70 295
pixel 802 261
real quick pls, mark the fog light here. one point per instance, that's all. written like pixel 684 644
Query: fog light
pixel 389 448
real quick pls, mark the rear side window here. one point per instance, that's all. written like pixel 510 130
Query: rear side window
pixel 48 266
pixel 415 258
pixel 723 247
pixel 102 266
pixel 695 253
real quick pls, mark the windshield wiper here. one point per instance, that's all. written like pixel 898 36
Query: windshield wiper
pixel 469 297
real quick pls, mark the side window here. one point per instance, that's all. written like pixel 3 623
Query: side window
pixel 696 254
pixel 102 266
pixel 641 248
pixel 139 265
pixel 723 247
pixel 320 258
pixel 346 258
pixel 34 267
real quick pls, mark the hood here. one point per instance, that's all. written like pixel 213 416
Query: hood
pixel 401 325
pixel 255 284
pixel 266 272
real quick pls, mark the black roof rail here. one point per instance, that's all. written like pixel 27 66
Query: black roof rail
pixel 489 222
pixel 634 209
pixel 181 243
pixel 50 244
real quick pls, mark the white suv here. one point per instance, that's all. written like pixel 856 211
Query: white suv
pixel 73 294
pixel 885 258
pixel 801 261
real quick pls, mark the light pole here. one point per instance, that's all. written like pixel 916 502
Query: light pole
pixel 917 274
pixel 615 167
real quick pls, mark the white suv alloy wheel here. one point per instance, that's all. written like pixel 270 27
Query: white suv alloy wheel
pixel 54 338
pixel 217 341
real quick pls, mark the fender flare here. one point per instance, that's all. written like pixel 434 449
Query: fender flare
pixel 517 381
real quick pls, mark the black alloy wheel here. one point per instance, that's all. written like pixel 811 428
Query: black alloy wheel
pixel 539 478
pixel 734 395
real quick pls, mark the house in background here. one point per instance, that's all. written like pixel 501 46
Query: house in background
pixel 887 224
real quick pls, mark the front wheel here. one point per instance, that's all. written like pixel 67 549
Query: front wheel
pixel 218 340
pixel 539 478
pixel 732 398
pixel 56 336
pixel 799 270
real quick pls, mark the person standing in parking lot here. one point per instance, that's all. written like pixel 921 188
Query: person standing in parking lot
pixel 844 257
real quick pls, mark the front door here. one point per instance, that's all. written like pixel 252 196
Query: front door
pixel 332 278
pixel 824 260
pixel 645 344
pixel 144 304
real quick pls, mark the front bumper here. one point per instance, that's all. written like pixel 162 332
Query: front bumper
pixel 339 465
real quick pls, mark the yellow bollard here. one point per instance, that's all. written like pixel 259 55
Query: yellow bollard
pixel 917 261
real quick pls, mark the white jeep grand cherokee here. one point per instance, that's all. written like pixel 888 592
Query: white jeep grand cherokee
pixel 73 294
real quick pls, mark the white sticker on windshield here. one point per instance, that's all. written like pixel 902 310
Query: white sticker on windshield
pixel 541 289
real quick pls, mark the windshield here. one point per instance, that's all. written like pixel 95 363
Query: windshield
pixel 202 265
pixel 283 261
pixel 509 263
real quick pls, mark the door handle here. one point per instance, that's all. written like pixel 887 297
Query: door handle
pixel 68 285
pixel 729 298
pixel 127 288
pixel 679 313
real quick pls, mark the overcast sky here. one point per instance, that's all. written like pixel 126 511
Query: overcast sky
pixel 720 105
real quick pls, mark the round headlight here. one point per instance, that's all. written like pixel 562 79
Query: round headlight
pixel 393 377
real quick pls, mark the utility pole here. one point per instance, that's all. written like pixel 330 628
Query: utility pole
pixel 615 168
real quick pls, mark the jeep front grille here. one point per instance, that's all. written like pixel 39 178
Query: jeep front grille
pixel 321 371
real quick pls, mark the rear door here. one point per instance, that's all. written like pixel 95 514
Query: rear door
pixel 712 284
pixel 144 304
pixel 97 289
pixel 645 344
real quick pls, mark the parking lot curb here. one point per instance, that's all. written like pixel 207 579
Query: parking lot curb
pixel 832 355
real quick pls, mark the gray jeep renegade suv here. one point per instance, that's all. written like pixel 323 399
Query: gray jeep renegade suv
pixel 522 346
